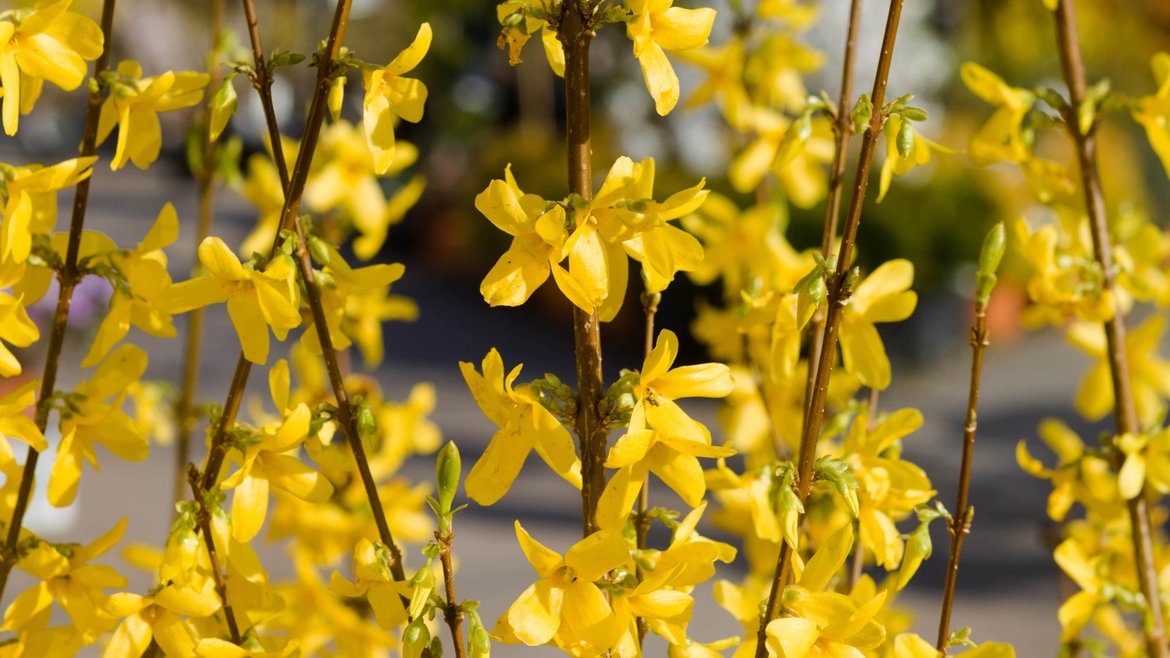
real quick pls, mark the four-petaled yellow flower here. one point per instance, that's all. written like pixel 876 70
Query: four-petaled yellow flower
pixel 655 27
pixel 49 43
pixel 565 607
pixel 373 580
pixel 389 96
pixel 255 300
pixel 1149 374
pixel 525 425
pixel 133 105
pixel 159 618
pixel 267 463
pixel 662 438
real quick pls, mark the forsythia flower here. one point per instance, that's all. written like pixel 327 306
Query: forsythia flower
pixel 1065 280
pixel 909 645
pixel 133 105
pixel 159 618
pixel 30 201
pixel 1147 459
pixel 824 623
pixel 524 425
pixel 897 164
pixel 141 303
pixel 1080 475
pixel 1001 138
pixel 1153 112
pixel 49 43
pixel 565 606
pixel 16 327
pixel 374 581
pixel 662 438
pixel 15 423
pixel 883 296
pixel 389 95
pixel 537 243
pixel 656 26
pixel 94 420
pixel 1149 375
pixel 68 579
pixel 255 300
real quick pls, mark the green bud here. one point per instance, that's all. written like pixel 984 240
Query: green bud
pixel 447 470
pixel 415 639
pixel 318 250
pixel 513 19
pixel 479 642
pixel 905 138
pixel 862 113
pixel 989 258
pixel 367 425
pixel 918 549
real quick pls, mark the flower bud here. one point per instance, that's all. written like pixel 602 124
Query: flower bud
pixel 336 97
pixel 447 469
pixel 989 258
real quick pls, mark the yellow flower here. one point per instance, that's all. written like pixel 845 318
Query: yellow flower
pixel 1080 475
pixel 1001 138
pixel 140 303
pixel 889 487
pixel 48 43
pixel 724 68
pixel 662 438
pixel 795 152
pixel 374 581
pixel 897 164
pixel 16 327
pixel 266 463
pixel 159 618
pixel 96 416
pixel 67 578
pixel 662 249
pixel 883 296
pixel 565 606
pixel 344 178
pixel 910 645
pixel 1147 460
pixel 30 201
pixel 1066 281
pixel 350 299
pixel 537 244
pixel 513 37
pixel 1153 112
pixel 389 96
pixel 656 26
pixel 1149 375
pixel 16 422
pixel 819 622
pixel 255 300
pixel 524 425
pixel 133 105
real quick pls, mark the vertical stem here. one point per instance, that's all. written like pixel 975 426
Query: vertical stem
pixel 67 279
pixel 842 130
pixel 642 518
pixel 452 613
pixel 838 297
pixel 192 352
pixel 961 521
pixel 203 519
pixel 576 35
pixel 1124 411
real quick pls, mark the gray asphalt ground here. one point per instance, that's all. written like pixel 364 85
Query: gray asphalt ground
pixel 1009 589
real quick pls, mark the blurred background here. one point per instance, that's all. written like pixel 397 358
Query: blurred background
pixel 483 114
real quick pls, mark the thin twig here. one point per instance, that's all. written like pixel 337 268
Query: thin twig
pixel 576 35
pixel 642 517
pixel 203 519
pixel 842 131
pixel 1124 411
pixel 452 612
pixel 67 278
pixel 839 291
pixel 961 519
pixel 192 352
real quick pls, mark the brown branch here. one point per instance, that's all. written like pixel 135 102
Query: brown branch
pixel 960 524
pixel 576 34
pixel 203 519
pixel 642 516
pixel 842 130
pixel 838 296
pixel 452 612
pixel 1124 411
pixel 67 278
pixel 192 352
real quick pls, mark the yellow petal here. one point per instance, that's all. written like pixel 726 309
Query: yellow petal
pixel 592 557
pixel 660 79
pixel 708 380
pixel 544 560
pixel 497 468
pixel 792 637
pixel 249 507
pixel 289 474
pixel 864 355
pixel 535 616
